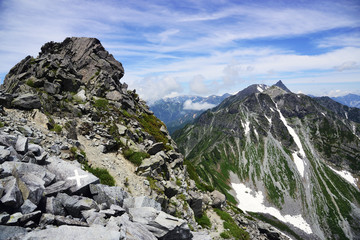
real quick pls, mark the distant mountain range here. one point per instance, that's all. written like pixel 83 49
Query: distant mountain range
pixel 351 100
pixel 178 111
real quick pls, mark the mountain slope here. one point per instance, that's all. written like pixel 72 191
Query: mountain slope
pixel 281 145
pixel 178 111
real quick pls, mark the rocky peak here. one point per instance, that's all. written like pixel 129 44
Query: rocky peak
pixel 281 85
pixel 66 67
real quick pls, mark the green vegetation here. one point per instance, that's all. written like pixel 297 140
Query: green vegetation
pixel 153 186
pixel 203 221
pixel 57 128
pixel 225 235
pixel 102 173
pixel 101 104
pixel 125 113
pixel 231 227
pixel 2 124
pixel 30 83
pixel 135 157
pixel 152 125
pixel 195 176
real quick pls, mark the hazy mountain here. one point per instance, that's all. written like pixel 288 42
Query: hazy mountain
pixel 178 111
pixel 283 154
pixel 351 100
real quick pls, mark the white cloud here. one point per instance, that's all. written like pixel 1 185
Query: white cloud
pixel 189 105
pixel 343 40
pixel 349 65
pixel 198 86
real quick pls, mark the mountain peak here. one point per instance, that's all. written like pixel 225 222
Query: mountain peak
pixel 74 62
pixel 281 85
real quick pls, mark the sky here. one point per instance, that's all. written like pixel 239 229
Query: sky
pixel 200 47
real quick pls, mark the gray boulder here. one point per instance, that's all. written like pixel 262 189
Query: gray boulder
pixel 72 173
pixel 21 145
pixel 32 187
pixel 162 225
pixel 54 206
pixel 27 207
pixel 143 201
pixel 108 195
pixel 53 189
pixel 13 197
pixel 218 199
pixel 196 203
pixel 155 148
pixel 131 230
pixel 74 233
pixel 52 88
pixel 7 140
pixel 75 204
pixel 4 155
pixel 27 101
pixel 114 95
pixel 11 232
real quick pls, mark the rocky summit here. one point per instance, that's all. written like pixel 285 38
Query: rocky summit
pixel 82 157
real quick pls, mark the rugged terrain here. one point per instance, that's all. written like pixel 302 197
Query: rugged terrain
pixel 289 152
pixel 82 157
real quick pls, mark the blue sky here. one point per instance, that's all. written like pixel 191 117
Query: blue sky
pixel 171 48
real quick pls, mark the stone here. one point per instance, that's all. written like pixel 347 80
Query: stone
pixel 218 199
pixel 108 195
pixel 80 96
pixel 74 233
pixel 152 163
pixel 94 218
pixel 27 207
pixel 53 189
pixel 31 187
pixel 171 189
pixel 39 171
pixel 61 220
pixel 132 230
pixel 7 140
pixel 155 148
pixel 21 145
pixel 201 236
pixel 114 95
pixel 54 206
pixel 122 129
pixel 46 219
pixel 196 203
pixel 13 197
pixel 162 225
pixel 143 201
pixel 4 217
pixel 35 149
pixel 4 155
pixel 75 204
pixel 118 210
pixel 11 232
pixel 27 101
pixel 14 218
pixel 34 216
pixel 26 130
pixel 71 172
pixel 268 231
pixel 41 160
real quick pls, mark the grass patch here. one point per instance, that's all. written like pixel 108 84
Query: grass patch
pixel 153 186
pixel 30 83
pixel 203 221
pixel 2 124
pixel 102 173
pixel 135 157
pixel 231 227
pixel 57 128
pixel 101 104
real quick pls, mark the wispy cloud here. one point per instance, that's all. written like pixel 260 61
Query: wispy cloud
pixel 198 47
pixel 189 105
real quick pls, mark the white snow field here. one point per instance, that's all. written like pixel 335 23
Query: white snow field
pixel 253 201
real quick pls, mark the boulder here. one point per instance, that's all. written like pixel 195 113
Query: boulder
pixel 131 230
pixel 74 233
pixel 114 95
pixel 152 163
pixel 7 140
pixel 171 189
pixel 31 187
pixel 61 220
pixel 12 197
pixel 71 172
pixel 21 145
pixel 108 195
pixel 26 130
pixel 196 203
pixel 143 201
pixel 218 199
pixel 14 218
pixel 52 88
pixel 11 232
pixel 34 216
pixel 54 206
pixel 155 148
pixel 75 204
pixel 162 225
pixel 27 207
pixel 27 101
pixel 93 217
pixel 53 189
pixel 4 155
pixel 80 96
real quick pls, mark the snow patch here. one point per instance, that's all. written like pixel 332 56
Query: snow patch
pixel 298 161
pixel 269 119
pixel 346 115
pixel 247 127
pixel 323 114
pixel 260 89
pixel 345 175
pixel 253 201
